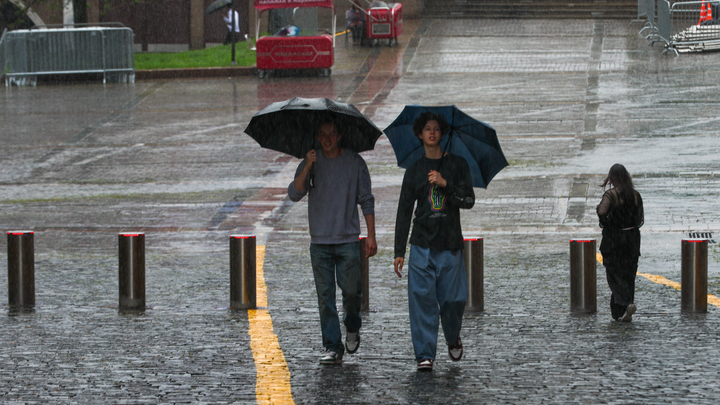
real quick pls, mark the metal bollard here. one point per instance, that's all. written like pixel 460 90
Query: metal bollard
pixel 583 276
pixel 243 294
pixel 475 268
pixel 21 269
pixel 131 252
pixel 364 276
pixel 693 293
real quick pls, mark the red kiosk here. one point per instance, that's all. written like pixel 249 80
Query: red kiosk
pixel 384 21
pixel 294 47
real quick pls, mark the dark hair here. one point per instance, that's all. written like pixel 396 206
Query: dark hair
pixel 326 119
pixel 619 178
pixel 423 119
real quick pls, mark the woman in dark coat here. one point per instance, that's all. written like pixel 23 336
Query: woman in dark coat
pixel 621 216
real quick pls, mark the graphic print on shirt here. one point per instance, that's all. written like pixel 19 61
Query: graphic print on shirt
pixel 437 199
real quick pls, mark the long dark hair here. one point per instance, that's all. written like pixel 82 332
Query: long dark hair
pixel 620 179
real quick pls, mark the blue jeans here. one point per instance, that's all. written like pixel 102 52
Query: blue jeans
pixel 437 289
pixel 341 261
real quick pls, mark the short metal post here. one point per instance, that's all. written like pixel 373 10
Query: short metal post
pixel 693 292
pixel 131 251
pixel 364 276
pixel 474 267
pixel 21 269
pixel 583 276
pixel 243 294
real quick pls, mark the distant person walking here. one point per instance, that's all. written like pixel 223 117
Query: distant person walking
pixel 440 183
pixel 229 21
pixel 621 216
pixel 355 22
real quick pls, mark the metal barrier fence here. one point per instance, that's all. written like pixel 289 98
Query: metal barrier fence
pixel 34 52
pixel 689 34
pixel 3 60
pixel 682 29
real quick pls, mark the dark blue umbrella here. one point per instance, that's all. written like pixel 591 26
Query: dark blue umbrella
pixel 469 138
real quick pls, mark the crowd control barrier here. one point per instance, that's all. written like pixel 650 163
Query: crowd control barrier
pixel 131 271
pixel 689 26
pixel 21 269
pixel 583 276
pixel 243 273
pixel 693 293
pixel 474 267
pixel 34 52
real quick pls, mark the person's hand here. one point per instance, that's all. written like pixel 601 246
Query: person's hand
pixel 434 177
pixel 310 158
pixel 398 266
pixel 370 246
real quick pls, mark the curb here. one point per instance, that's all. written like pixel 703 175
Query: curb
pixel 194 73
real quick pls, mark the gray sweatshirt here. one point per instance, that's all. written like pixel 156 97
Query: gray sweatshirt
pixel 341 184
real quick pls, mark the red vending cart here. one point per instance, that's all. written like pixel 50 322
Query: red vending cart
pixel 294 47
pixel 384 21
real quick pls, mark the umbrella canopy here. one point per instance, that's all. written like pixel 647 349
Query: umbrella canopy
pixel 217 5
pixel 469 138
pixel 290 126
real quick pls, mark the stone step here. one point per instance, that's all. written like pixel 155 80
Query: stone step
pixel 580 9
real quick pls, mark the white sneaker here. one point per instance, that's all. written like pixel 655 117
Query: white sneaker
pixel 331 357
pixel 352 342
pixel 629 311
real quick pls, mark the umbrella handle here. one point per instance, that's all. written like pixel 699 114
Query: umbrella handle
pixel 311 177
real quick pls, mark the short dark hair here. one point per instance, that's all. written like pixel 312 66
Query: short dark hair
pixel 423 119
pixel 326 119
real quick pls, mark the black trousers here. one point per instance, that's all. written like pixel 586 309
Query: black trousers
pixel 621 271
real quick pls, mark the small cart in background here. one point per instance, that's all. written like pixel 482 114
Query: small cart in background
pixel 384 21
pixel 295 47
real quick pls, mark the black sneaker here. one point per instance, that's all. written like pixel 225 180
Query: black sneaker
pixel 456 351
pixel 352 342
pixel 331 357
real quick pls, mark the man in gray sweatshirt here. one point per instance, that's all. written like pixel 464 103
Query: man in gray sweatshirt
pixel 336 181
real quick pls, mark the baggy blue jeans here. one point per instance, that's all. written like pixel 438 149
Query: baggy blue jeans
pixel 437 289
pixel 340 261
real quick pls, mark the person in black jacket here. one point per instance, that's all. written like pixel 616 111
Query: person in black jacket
pixel 441 184
pixel 621 216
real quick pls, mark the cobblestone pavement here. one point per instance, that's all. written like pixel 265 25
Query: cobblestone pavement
pixel 82 162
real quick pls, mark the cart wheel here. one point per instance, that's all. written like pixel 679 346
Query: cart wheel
pixel 325 72
pixel 261 73
pixel 390 43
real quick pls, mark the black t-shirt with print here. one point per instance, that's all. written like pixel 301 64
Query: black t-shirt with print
pixel 437 215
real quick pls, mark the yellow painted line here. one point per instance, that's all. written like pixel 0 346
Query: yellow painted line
pixel 273 376
pixel 712 300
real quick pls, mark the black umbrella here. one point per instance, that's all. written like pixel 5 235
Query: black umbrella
pixel 469 138
pixel 290 126
pixel 217 5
